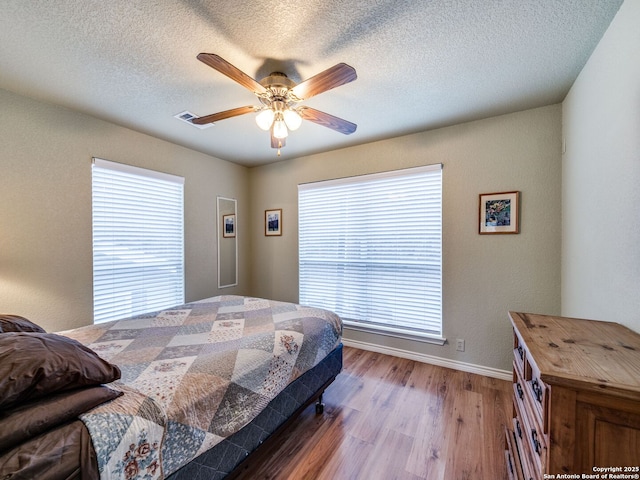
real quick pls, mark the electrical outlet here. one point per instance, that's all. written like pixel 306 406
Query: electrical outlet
pixel 460 344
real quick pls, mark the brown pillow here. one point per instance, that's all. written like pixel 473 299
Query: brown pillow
pixel 33 418
pixel 34 364
pixel 15 323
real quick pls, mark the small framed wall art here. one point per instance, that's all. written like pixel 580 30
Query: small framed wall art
pixel 229 226
pixel 499 213
pixel 273 222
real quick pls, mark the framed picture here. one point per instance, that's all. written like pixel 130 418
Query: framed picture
pixel 499 212
pixel 273 222
pixel 229 226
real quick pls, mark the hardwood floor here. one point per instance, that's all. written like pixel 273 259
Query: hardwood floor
pixel 389 418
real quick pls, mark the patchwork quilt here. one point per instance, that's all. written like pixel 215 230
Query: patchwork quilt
pixel 195 374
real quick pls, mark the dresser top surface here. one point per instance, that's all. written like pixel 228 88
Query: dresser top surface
pixel 569 351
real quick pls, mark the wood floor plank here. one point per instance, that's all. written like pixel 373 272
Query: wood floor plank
pixel 390 453
pixel 390 418
pixel 496 412
pixel 342 463
pixel 431 445
pixel 466 433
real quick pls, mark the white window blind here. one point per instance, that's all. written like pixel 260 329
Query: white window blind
pixel 370 250
pixel 138 240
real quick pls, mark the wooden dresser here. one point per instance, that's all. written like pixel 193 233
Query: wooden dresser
pixel 576 398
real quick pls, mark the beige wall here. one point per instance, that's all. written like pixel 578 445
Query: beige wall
pixel 484 275
pixel 601 189
pixel 45 208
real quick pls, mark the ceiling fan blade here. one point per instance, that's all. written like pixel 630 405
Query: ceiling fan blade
pixel 331 78
pixel 277 142
pixel 326 120
pixel 220 64
pixel 216 117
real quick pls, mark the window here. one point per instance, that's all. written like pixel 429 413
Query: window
pixel 138 240
pixel 370 249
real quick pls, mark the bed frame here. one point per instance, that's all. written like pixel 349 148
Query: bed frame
pixel 246 448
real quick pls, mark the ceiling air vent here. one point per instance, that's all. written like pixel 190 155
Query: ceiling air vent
pixel 188 116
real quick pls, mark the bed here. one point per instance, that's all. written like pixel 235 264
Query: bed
pixel 195 391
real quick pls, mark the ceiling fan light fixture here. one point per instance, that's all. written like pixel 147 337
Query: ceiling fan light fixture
pixel 292 119
pixel 265 119
pixel 279 127
pixel 279 96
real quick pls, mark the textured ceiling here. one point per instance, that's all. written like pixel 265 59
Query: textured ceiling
pixel 420 64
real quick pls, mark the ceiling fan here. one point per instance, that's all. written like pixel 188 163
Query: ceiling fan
pixel 280 97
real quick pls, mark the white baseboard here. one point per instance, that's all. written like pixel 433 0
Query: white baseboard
pixel 439 361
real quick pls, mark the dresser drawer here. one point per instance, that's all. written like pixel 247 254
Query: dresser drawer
pixel 529 435
pixel 512 457
pixel 522 450
pixel 518 384
pixel 519 354
pixel 538 393
pixel 524 396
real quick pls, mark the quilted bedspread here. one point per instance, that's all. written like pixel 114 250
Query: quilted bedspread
pixel 195 374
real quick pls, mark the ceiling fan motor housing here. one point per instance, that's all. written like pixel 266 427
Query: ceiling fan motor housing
pixel 277 80
pixel 278 92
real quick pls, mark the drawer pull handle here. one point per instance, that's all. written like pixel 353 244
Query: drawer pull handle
pixel 536 443
pixel 518 428
pixel 537 390
pixel 521 352
pixel 520 391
